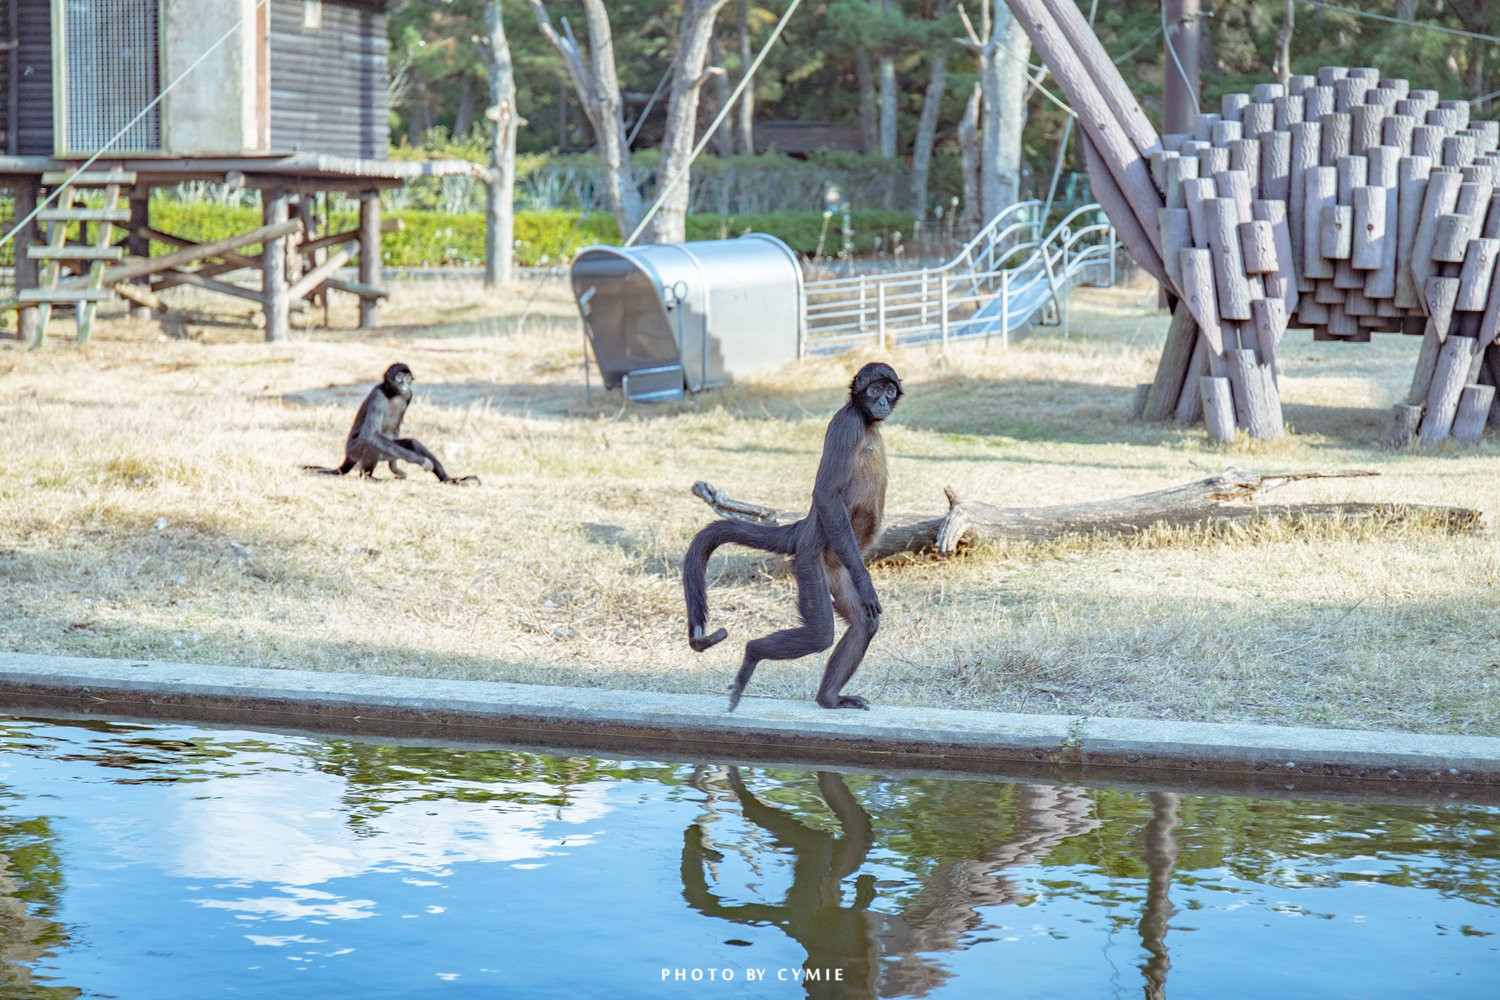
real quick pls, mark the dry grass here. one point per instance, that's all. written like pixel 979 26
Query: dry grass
pixel 152 506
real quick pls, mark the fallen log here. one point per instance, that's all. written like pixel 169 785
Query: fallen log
pixel 1217 500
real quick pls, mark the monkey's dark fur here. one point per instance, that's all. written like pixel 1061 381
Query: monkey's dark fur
pixel 372 437
pixel 827 549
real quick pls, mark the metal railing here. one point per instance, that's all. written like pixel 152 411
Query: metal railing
pixel 1006 277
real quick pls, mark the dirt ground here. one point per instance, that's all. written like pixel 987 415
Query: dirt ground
pixel 152 506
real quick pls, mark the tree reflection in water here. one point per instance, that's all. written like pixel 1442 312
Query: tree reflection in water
pixel 1161 858
pixel 852 938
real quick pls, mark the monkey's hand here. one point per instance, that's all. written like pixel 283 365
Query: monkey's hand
pixel 869 604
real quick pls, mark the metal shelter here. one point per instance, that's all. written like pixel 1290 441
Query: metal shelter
pixel 673 317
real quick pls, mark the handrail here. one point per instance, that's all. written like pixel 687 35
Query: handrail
pixel 1001 279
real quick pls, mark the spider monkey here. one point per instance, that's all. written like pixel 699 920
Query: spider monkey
pixel 372 437
pixel 827 548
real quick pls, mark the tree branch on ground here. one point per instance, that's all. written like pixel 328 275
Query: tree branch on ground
pixel 1206 503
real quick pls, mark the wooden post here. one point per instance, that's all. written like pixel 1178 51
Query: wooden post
pixel 1411 180
pixel 1218 408
pixel 27 320
pixel 1447 386
pixel 1172 369
pixel 1404 420
pixel 1222 216
pixel 275 209
pixel 136 242
pixel 1473 413
pixel 1190 400
pixel 369 256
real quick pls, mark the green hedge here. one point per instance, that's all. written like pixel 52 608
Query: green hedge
pixel 437 239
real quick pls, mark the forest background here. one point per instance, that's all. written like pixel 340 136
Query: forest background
pixel 828 67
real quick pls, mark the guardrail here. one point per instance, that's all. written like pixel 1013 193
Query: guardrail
pixel 1000 281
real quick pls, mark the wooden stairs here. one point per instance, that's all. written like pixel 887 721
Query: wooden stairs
pixel 55 252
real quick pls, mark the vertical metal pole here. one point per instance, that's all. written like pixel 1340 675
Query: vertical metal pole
pixel 1004 308
pixel 1067 288
pixel 1183 18
pixel 862 321
pixel 880 313
pixel 924 296
pixel 1112 246
pixel 943 309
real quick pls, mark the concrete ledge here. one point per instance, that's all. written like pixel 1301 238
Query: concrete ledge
pixel 1134 752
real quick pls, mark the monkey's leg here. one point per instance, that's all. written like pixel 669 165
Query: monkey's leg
pixel 850 651
pixel 814 635
pixel 395 471
pixel 412 444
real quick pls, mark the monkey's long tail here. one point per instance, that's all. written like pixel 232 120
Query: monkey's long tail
pixel 780 538
pixel 325 471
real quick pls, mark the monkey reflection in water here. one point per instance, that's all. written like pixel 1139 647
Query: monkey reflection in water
pixel 840 939
pixel 372 437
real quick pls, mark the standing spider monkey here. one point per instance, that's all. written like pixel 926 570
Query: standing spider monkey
pixel 827 548
pixel 372 437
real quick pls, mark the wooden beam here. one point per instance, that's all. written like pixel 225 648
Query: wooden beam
pixel 312 279
pixel 349 236
pixel 197 280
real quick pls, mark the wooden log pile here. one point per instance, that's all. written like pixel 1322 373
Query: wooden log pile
pixel 1341 202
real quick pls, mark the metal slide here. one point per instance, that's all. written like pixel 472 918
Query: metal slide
pixel 1007 278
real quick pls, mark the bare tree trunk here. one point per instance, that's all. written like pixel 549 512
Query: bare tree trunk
pixel 463 118
pixel 597 85
pixel 499 215
pixel 724 137
pixel 921 151
pixel 1201 504
pixel 886 69
pixel 1284 41
pixel 747 99
pixel 1003 147
pixel 670 222
pixel 1003 48
pixel 969 163
pixel 869 113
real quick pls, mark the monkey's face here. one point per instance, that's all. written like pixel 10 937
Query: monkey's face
pixel 875 390
pixel 879 399
pixel 399 376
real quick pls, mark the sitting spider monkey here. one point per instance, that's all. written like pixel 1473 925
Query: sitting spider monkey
pixel 827 548
pixel 372 437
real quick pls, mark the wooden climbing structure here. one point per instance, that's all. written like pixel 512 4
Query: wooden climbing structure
pixel 1341 202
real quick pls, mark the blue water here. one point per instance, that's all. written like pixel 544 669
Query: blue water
pixel 154 861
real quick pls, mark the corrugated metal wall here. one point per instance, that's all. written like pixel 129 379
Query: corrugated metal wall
pixel 328 83
pixel 29 65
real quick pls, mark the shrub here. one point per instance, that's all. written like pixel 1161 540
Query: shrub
pixel 439 239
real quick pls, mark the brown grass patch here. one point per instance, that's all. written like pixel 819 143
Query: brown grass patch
pixel 152 506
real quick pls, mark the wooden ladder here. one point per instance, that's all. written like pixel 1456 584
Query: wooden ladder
pixel 56 249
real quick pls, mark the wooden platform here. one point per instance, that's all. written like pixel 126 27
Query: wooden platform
pixel 69 255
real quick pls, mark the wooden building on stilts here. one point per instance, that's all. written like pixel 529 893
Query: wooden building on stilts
pixel 286 97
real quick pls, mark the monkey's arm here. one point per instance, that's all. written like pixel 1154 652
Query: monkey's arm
pixel 830 505
pixel 370 440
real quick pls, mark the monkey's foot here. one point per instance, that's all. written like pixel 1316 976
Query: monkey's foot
pixel 463 481
pixel 846 701
pixel 700 642
pixel 735 691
